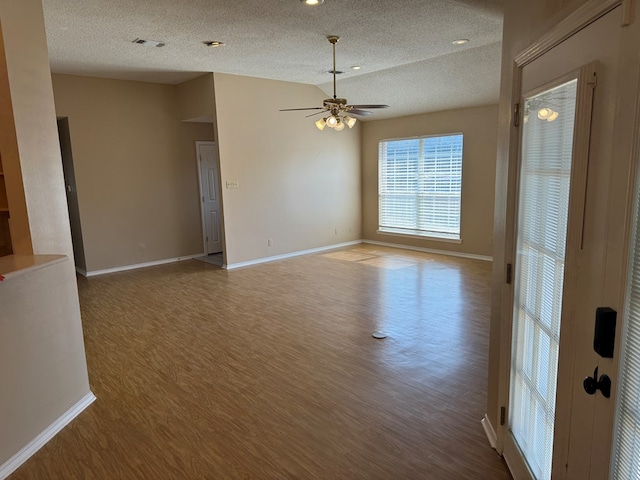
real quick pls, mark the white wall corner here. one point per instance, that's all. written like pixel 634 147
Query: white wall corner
pixel 43 437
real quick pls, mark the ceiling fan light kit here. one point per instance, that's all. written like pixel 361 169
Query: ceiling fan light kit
pixel 337 122
pixel 338 108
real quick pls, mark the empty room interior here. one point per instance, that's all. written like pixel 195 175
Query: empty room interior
pixel 312 239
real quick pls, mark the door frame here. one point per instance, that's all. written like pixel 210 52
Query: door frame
pixel 200 196
pixel 585 15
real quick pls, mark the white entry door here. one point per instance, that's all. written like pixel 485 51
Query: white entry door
pixel 210 196
pixel 569 256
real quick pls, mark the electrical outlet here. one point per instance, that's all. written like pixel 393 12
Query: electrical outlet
pixel 270 242
pixel 142 247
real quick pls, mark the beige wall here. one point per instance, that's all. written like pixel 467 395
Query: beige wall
pixel 42 364
pixel 297 184
pixel 136 174
pixel 524 22
pixel 479 126
pixel 196 101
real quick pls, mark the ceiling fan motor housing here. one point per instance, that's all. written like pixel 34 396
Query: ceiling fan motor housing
pixel 333 102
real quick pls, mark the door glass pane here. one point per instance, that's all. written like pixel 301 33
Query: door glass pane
pixel 626 445
pixel 545 172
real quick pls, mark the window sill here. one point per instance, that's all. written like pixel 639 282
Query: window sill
pixel 431 238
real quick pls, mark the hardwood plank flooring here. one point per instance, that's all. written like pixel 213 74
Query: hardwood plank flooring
pixel 270 372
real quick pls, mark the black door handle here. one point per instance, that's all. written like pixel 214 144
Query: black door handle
pixel 593 384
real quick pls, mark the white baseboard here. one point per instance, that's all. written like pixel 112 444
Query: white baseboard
pixel 489 432
pixel 289 255
pixel 43 437
pixel 257 261
pixel 430 250
pixel 141 265
pixel 81 271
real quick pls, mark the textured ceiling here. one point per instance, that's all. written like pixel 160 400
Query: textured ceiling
pixel 403 46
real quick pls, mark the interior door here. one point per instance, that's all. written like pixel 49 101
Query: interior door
pixel 560 255
pixel 210 196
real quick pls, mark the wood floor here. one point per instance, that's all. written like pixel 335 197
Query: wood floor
pixel 270 372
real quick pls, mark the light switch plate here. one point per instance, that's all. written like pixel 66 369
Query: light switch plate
pixel 233 184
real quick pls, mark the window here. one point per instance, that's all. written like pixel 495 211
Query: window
pixel 419 186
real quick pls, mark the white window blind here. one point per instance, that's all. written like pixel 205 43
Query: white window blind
pixel 543 206
pixel 420 182
pixel 625 463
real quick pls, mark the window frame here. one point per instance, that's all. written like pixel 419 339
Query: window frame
pixel 418 233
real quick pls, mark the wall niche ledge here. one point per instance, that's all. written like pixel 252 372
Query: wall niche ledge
pixel 14 265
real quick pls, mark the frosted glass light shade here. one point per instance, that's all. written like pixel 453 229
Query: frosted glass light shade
pixel 321 124
pixel 332 121
pixel 350 121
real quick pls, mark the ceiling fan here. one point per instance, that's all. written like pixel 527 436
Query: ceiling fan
pixel 338 109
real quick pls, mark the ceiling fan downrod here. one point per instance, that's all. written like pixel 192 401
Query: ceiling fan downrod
pixel 333 39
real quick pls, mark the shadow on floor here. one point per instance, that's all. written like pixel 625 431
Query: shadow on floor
pixel 213 259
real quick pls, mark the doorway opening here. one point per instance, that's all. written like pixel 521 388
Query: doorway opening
pixel 210 202
pixel 72 195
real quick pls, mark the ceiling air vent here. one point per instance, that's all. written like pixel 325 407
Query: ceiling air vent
pixel 149 43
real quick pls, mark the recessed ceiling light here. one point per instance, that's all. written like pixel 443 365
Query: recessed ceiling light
pixel 148 43
pixel 356 67
pixel 213 44
pixel 460 41
pixel 312 2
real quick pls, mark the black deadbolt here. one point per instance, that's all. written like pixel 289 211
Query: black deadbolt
pixel 604 335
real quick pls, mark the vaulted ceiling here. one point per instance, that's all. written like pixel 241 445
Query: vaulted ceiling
pixel 404 47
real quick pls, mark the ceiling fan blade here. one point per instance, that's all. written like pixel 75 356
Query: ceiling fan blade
pixel 317 113
pixel 357 111
pixel 295 109
pixel 357 107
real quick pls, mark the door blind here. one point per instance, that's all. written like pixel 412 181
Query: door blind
pixel 420 183
pixel 543 206
pixel 626 446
